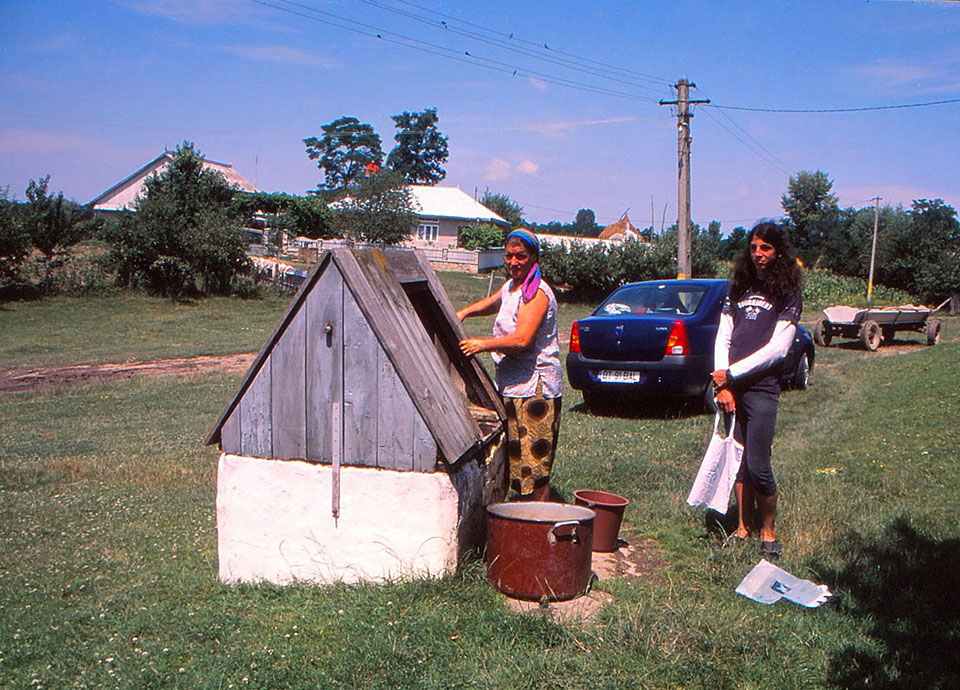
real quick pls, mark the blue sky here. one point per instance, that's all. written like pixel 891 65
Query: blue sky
pixel 93 90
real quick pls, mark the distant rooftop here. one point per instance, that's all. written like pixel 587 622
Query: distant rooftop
pixel 124 193
pixel 451 202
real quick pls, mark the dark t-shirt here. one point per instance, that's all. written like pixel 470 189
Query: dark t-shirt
pixel 755 316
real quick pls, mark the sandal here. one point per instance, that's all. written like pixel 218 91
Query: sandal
pixel 770 549
pixel 733 540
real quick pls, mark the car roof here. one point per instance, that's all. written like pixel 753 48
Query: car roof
pixel 706 282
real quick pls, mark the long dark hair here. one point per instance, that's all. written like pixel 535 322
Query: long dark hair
pixel 782 277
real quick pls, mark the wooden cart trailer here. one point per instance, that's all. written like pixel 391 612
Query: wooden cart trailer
pixel 876 325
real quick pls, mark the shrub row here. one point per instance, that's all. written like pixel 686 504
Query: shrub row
pixel 589 273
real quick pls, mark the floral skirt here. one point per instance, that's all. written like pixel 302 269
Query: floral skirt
pixel 532 428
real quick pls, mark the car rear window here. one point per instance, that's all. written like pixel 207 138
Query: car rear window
pixel 653 299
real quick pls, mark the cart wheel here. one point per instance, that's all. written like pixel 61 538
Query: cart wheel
pixel 870 335
pixel 933 332
pixel 889 333
pixel 821 333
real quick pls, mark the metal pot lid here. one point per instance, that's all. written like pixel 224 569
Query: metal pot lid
pixel 540 511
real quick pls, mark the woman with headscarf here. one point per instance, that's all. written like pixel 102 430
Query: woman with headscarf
pixel 526 352
pixel 757 325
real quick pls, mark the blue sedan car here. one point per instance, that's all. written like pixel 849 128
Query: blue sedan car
pixel 655 339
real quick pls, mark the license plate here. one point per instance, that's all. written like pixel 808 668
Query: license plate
pixel 619 376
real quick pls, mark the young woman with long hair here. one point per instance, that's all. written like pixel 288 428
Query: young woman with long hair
pixel 757 326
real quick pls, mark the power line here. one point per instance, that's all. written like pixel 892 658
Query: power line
pixel 661 81
pixel 438 50
pixel 769 158
pixel 764 153
pixel 572 64
pixel 815 111
pixel 566 213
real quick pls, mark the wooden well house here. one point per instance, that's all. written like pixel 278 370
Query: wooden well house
pixel 361 444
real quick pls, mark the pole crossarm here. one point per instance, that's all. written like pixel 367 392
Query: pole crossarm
pixel 696 101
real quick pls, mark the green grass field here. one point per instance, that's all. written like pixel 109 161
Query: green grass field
pixel 72 330
pixel 108 572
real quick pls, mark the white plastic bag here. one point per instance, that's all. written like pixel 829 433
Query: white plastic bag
pixel 718 470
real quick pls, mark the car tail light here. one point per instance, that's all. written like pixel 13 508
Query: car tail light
pixel 677 342
pixel 575 337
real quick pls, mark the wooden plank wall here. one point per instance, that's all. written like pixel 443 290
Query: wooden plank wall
pixel 329 353
pixel 361 374
pixel 323 358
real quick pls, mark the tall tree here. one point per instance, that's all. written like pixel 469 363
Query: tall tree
pixel 54 224
pixel 505 207
pixel 379 210
pixel 185 235
pixel 923 258
pixel 734 243
pixel 585 224
pixel 711 240
pixel 813 212
pixel 347 150
pixel 421 149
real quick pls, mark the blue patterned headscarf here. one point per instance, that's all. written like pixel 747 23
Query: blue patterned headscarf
pixel 532 282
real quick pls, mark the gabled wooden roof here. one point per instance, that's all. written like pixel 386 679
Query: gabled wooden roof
pixel 376 279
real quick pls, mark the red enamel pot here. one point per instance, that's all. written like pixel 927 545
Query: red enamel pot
pixel 539 550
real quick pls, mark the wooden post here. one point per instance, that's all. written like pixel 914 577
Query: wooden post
pixel 683 103
pixel 873 249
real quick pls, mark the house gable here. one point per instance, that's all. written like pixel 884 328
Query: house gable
pixel 125 193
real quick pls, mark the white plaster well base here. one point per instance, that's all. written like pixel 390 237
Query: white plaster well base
pixel 275 523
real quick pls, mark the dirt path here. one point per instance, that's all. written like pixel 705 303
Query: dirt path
pixel 18 380
pixel 34 378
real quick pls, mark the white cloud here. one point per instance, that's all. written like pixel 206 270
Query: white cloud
pixel 186 11
pixel 537 83
pixel 279 54
pixel 528 167
pixel 200 12
pixel 559 130
pixel 501 169
pixel 497 169
pixel 894 73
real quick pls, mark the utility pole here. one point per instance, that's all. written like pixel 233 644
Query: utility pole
pixel 873 248
pixel 683 103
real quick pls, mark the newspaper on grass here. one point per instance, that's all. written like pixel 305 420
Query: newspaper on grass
pixel 767 584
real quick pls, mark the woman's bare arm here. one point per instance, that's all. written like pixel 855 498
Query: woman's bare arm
pixel 529 317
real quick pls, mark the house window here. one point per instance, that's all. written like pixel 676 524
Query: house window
pixel 428 232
